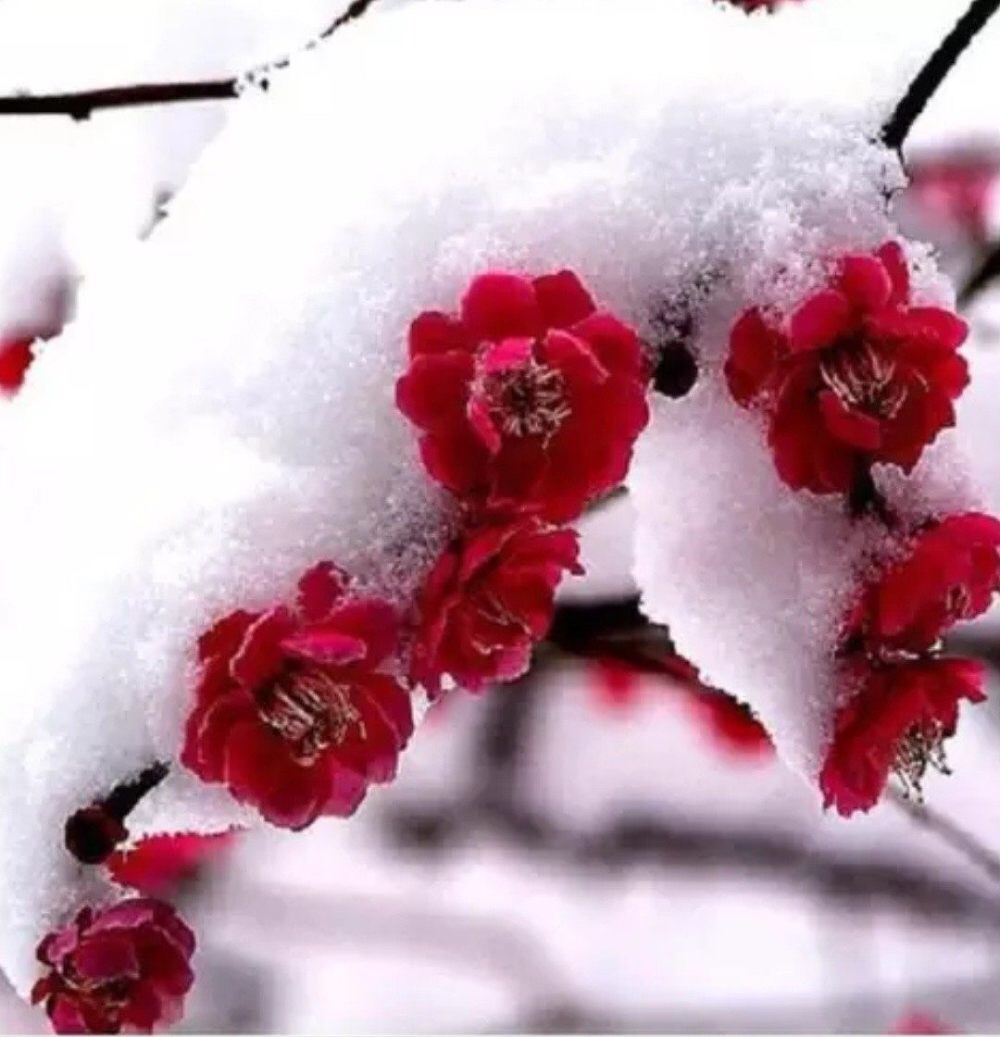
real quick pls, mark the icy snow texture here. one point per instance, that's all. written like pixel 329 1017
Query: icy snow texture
pixel 220 415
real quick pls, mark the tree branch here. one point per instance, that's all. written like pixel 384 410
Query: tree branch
pixel 79 106
pixel 82 104
pixel 616 629
pixel 934 73
pixel 676 845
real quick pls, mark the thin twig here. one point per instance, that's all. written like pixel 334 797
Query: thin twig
pixel 679 846
pixel 982 277
pixel 81 105
pixel 949 832
pixel 934 73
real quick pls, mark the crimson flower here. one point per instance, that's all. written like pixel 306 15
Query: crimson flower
pixel 125 967
pixel 918 1022
pixel 158 863
pixel 616 684
pixel 855 375
pixel 897 722
pixel 15 359
pixel 951 572
pixel 488 600
pixel 731 725
pixel 906 699
pixel 530 397
pixel 292 712
pixel 955 188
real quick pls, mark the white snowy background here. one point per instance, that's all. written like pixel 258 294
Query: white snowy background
pixel 752 911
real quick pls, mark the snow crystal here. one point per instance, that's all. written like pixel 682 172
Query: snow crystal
pixel 220 415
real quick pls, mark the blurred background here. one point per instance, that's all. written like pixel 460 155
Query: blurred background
pixel 607 846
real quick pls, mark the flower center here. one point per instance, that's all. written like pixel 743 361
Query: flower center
pixel 104 997
pixel 918 749
pixel 310 710
pixel 864 379
pixel 529 400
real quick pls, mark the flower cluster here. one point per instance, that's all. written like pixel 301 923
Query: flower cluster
pixel 855 375
pixel 123 968
pixel 298 709
pixel 528 403
pixel 906 694
pixel 294 711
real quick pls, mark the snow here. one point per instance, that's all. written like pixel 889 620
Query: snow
pixel 220 415
pixel 70 192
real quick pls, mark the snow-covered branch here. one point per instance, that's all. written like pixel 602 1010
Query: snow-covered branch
pixel 80 105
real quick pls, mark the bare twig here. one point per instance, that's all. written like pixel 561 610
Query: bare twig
pixel 82 104
pixel 79 106
pixel 949 832
pixel 934 73
pixel 982 277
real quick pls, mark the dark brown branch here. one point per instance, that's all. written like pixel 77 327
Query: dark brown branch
pixel 503 739
pixel 934 73
pixel 81 105
pixel 613 629
pixel 546 1002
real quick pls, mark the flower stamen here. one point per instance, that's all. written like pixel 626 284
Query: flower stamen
pixel 311 711
pixel 865 379
pixel 528 400
pixel 919 749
